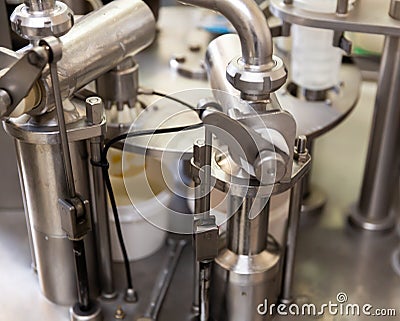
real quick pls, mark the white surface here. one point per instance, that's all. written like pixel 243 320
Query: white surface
pixel 142 239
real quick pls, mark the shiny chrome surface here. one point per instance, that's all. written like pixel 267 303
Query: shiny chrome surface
pixel 313 118
pixel 241 283
pixel 245 235
pixel 53 250
pixel 250 24
pixel 126 28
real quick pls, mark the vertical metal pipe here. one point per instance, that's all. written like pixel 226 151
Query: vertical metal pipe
pixel 100 213
pixel 82 280
pixel 296 197
pixel 202 156
pixel 373 211
pixel 196 287
pixel 246 235
pixel 204 289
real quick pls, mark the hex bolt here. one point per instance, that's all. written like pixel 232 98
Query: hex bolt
pixel 301 151
pixel 119 313
pixel 94 110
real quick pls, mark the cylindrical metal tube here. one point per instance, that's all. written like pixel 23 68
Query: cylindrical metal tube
pixel 248 236
pixel 381 174
pixel 296 198
pixel 40 5
pixel 246 273
pixel 250 24
pixel 98 42
pixel 44 184
pixel 101 221
pixel 81 274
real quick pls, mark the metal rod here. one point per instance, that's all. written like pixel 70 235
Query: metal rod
pixel 100 212
pixel 79 247
pixel 81 275
pixel 296 197
pixel 40 5
pixel 250 24
pixel 204 290
pixel 342 6
pixel 69 176
pixel 164 278
pixel 196 287
pixel 373 211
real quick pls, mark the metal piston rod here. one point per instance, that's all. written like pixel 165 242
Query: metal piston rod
pixel 374 209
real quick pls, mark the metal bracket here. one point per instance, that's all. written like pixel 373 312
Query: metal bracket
pixel 18 81
pixel 206 239
pixel 75 217
pixel 339 40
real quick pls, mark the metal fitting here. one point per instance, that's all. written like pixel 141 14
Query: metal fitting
pixel 300 147
pixel 256 82
pixel 36 20
pixel 5 102
pixel 94 110
pixel 269 167
pixel 119 314
pixel 394 11
pixel 120 85
pixel 131 296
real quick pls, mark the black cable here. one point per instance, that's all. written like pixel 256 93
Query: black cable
pixel 105 166
pixel 156 93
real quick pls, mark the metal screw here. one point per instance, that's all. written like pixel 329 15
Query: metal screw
pixel 94 110
pixel 119 313
pixel 301 151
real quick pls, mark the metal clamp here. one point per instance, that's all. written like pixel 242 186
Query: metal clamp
pixel 75 218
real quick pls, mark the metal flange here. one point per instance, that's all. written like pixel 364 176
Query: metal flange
pixel 256 81
pixel 35 25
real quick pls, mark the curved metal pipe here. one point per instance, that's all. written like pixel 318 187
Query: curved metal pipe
pixel 250 24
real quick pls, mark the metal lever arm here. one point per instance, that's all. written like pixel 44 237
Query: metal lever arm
pixel 19 80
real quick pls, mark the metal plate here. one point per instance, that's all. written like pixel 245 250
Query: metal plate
pixel 368 16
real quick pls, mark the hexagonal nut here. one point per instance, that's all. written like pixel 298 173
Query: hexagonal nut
pixel 94 110
pixel 254 80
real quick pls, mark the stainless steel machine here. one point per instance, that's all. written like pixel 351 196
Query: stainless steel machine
pixel 204 91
